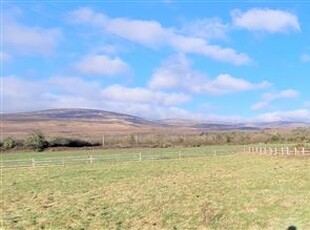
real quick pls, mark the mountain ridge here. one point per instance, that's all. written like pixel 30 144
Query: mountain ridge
pixel 97 114
pixel 69 113
pixel 94 122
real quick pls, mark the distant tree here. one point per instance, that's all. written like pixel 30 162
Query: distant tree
pixel 37 141
pixel 276 137
pixel 228 137
pixel 9 143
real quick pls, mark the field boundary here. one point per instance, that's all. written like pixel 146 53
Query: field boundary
pixel 113 158
pixel 279 151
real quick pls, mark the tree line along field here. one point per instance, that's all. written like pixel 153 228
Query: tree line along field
pixel 235 191
pixel 37 140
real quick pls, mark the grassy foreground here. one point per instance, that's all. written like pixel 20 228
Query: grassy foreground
pixel 222 192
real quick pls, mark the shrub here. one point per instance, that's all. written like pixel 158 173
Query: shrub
pixel 37 141
pixel 60 142
pixel 67 142
pixel 8 143
pixel 79 143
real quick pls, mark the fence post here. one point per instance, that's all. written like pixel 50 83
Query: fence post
pixel 265 151
pixel 91 159
pixel 275 151
pixel 282 151
pixel 63 162
pixel 103 140
pixel 180 156
pixel 303 151
pixel 33 163
pixel 287 151
pixel 295 151
pixel 140 156
pixel 214 153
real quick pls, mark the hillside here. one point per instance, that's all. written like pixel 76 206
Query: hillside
pixel 78 115
pixel 93 123
pixel 87 123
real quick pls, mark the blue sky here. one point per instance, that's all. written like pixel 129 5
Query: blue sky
pixel 220 61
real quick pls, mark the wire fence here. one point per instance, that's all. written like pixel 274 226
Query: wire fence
pixel 123 157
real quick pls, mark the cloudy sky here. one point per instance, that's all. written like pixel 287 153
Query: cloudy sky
pixel 228 61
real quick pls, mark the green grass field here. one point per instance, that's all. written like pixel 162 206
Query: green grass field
pixel 86 156
pixel 216 192
pixel 96 152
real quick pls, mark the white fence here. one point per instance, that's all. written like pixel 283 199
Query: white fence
pixel 283 151
pixel 90 159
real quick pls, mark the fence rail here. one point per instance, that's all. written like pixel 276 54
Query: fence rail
pixel 282 151
pixel 90 159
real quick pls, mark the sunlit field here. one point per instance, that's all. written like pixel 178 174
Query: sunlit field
pixel 236 191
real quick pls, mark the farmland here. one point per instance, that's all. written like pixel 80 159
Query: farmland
pixel 238 191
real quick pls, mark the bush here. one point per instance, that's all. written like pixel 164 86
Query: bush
pixel 37 141
pixel 60 142
pixel 8 143
pixel 67 142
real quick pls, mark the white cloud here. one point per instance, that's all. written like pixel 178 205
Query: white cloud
pixel 24 94
pixel 149 33
pixel 305 58
pixel 57 92
pixel 213 118
pixel 119 93
pixel 23 39
pixel 267 98
pixel 301 115
pixel 208 29
pixel 200 46
pixel 153 34
pixel 288 93
pixel 226 83
pixel 4 56
pixel 151 111
pixel 307 104
pixel 260 105
pixel 269 20
pixel 102 65
pixel 82 88
pixel 18 94
pixel 176 73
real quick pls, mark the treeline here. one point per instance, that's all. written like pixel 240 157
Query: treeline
pixel 299 136
pixel 38 142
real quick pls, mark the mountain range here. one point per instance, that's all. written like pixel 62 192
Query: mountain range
pixel 94 123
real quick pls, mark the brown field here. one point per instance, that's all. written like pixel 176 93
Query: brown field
pixel 81 129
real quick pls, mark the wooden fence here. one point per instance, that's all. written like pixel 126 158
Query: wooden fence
pixel 282 151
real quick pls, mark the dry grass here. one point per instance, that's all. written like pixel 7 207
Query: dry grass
pixel 91 129
pixel 228 192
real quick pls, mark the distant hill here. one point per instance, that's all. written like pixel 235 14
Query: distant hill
pixel 74 123
pixel 94 123
pixel 76 114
